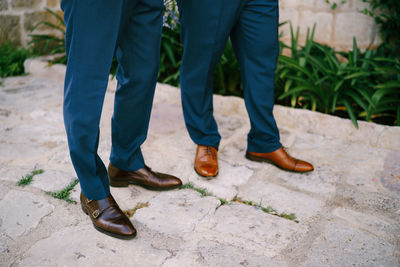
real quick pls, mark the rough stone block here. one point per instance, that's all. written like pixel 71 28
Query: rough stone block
pixel 176 213
pixel 10 29
pixel 52 180
pixel 225 184
pixel 210 253
pixel 353 24
pixel 21 211
pixel 296 4
pixel 262 191
pixel 25 3
pixel 241 225
pixel 339 245
pixel 359 5
pixel 323 21
pixel 323 6
pixel 379 226
pixel 31 19
pixel 13 173
pixel 84 246
pixel 390 175
pixel 290 15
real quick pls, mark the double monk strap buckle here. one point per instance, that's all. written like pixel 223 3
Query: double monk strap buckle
pixel 95 214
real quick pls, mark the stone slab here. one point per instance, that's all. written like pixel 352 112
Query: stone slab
pixel 176 213
pixel 211 253
pixel 22 211
pixel 259 190
pixel 240 225
pixel 84 246
pixel 339 245
pixel 376 225
pixel 52 180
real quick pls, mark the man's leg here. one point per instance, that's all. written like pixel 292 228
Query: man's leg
pixel 91 36
pixel 206 25
pixel 138 54
pixel 255 41
pixel 205 30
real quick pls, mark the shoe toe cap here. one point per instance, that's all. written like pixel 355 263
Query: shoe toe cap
pixel 207 170
pixel 303 166
pixel 123 227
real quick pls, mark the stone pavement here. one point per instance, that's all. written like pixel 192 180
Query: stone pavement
pixel 347 211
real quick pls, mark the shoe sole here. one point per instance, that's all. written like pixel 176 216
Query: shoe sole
pixel 125 237
pixel 260 159
pixel 206 176
pixel 114 183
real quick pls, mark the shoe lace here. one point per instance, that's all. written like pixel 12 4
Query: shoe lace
pixel 209 152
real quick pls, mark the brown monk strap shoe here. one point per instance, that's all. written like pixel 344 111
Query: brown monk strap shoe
pixel 281 159
pixel 206 161
pixel 108 218
pixel 144 177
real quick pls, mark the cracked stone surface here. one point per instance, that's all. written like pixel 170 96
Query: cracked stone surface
pixel 348 209
pixel 84 246
pixel 21 211
pixel 339 245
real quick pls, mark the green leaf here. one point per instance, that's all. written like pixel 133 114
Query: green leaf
pixel 349 110
pixel 390 85
pixel 293 91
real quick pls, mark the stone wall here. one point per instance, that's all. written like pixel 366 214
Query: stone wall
pixel 334 27
pixel 18 17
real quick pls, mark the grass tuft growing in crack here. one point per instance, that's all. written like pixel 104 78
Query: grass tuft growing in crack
pixel 223 201
pixel 191 186
pixel 27 179
pixel 203 192
pixel 236 199
pixel 65 193
pixel 269 209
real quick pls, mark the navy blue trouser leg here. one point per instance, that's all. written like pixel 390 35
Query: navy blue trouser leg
pixel 252 25
pixel 255 42
pixel 204 32
pixel 93 33
pixel 138 54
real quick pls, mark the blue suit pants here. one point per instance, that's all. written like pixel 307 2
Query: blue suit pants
pixel 95 31
pixel 252 26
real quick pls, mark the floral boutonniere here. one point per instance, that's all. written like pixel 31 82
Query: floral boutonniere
pixel 171 14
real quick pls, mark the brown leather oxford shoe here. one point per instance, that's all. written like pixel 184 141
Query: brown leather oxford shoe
pixel 206 161
pixel 144 177
pixel 281 159
pixel 108 218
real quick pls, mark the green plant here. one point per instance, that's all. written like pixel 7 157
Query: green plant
pixel 27 179
pixel 334 4
pixel 170 56
pixel 50 43
pixel 316 77
pixel 268 209
pixel 203 192
pixel 227 75
pixel 65 193
pixel 387 15
pixel 12 60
